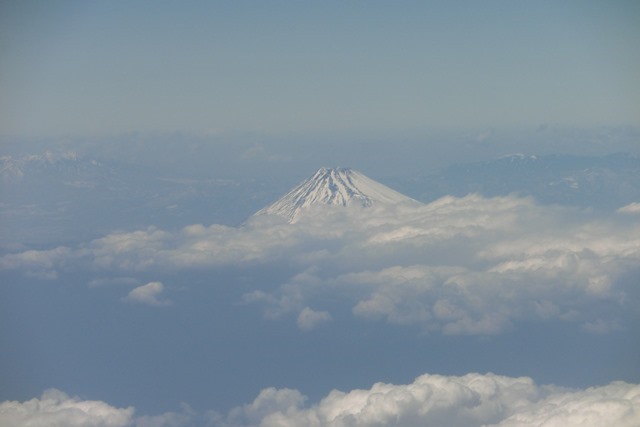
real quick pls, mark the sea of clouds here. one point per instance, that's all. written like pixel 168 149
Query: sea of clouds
pixel 470 265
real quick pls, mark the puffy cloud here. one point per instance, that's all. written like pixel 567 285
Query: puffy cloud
pixel 168 419
pixel 148 294
pixel 41 264
pixel 55 408
pixel 473 400
pixel 309 319
pixel 194 246
pixel 270 401
pixel 470 265
pixel 475 266
pixel 617 404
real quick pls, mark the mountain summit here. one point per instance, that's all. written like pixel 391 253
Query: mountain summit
pixel 334 187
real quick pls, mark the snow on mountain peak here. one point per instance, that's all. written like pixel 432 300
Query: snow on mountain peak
pixel 334 187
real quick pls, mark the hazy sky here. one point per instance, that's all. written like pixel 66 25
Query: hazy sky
pixel 84 67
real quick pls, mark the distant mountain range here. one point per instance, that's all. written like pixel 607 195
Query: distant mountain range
pixel 65 196
pixel 603 183
pixel 58 196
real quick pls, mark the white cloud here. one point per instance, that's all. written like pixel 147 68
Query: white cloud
pixel 148 294
pixel 309 319
pixel 269 401
pixel 617 404
pixel 470 265
pixel 40 264
pixel 475 266
pixel 632 208
pixel 473 400
pixel 168 419
pixel 112 281
pixel 55 408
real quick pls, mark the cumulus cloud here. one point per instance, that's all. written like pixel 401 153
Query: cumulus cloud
pixel 309 319
pixel 473 400
pixel 42 264
pixel 149 294
pixel 268 402
pixel 473 266
pixel 55 408
pixel 470 265
pixel 169 419
pixel 194 246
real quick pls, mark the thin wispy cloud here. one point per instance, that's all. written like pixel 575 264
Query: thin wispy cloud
pixel 632 208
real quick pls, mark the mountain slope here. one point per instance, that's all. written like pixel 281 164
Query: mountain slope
pixel 334 187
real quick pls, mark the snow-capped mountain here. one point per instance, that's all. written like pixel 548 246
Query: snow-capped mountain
pixel 334 187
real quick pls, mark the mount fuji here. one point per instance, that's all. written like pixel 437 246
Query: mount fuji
pixel 334 187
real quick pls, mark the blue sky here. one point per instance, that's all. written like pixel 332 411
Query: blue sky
pixel 87 68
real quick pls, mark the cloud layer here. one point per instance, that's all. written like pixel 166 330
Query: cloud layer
pixel 470 265
pixel 472 400
pixel 55 408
